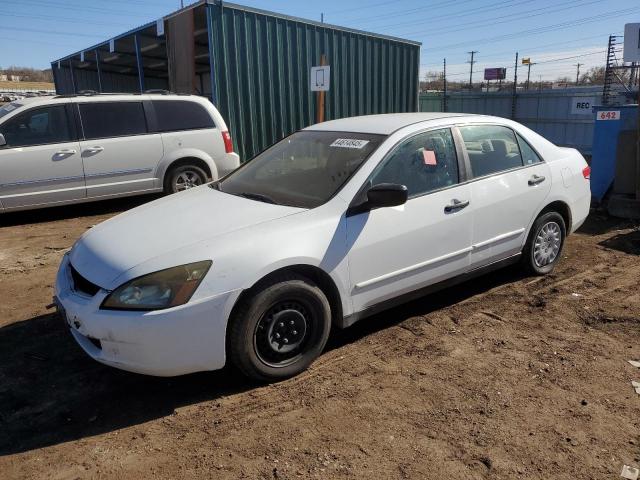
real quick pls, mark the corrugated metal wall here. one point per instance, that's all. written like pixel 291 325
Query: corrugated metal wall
pixel 548 112
pixel 262 64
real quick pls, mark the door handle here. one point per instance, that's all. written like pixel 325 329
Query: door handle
pixel 535 180
pixel 66 151
pixel 456 205
pixel 95 149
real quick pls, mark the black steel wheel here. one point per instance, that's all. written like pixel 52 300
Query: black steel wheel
pixel 280 329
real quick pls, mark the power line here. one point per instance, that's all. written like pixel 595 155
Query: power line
pixel 51 32
pixel 538 30
pixel 497 21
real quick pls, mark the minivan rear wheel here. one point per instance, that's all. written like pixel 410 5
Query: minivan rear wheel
pixel 280 329
pixel 544 245
pixel 184 177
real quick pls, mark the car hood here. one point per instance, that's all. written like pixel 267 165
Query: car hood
pixel 117 245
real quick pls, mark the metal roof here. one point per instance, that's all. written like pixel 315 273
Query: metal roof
pixel 242 8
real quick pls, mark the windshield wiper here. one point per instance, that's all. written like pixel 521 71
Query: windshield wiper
pixel 257 196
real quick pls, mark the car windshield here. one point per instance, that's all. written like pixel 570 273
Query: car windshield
pixel 304 170
pixel 8 108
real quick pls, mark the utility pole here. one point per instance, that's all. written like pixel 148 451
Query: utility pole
pixel 472 61
pixel 578 72
pixel 515 89
pixel 444 93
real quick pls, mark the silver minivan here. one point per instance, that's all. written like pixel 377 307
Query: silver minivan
pixel 78 148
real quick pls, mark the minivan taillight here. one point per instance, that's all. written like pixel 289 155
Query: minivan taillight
pixel 586 172
pixel 228 144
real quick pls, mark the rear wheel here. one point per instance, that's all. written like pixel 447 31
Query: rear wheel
pixel 544 246
pixel 184 177
pixel 279 330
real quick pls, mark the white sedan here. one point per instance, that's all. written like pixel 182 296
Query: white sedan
pixel 332 224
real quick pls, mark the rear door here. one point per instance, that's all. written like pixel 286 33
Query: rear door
pixel 509 182
pixel 41 163
pixel 119 153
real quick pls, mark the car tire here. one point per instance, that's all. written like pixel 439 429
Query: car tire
pixel 280 329
pixel 544 245
pixel 183 177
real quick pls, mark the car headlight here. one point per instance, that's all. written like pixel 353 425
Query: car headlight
pixel 164 289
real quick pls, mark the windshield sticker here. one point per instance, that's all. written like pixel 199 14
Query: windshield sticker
pixel 349 143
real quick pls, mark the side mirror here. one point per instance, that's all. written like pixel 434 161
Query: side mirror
pixel 3 142
pixel 386 195
pixel 379 196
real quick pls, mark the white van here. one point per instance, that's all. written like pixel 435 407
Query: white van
pixel 86 147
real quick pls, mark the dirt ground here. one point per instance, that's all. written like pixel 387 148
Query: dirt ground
pixel 504 377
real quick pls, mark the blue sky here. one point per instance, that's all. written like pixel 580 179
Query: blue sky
pixel 34 32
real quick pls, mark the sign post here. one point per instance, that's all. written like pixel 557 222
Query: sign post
pixel 320 79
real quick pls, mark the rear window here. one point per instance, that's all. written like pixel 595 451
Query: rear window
pixel 175 115
pixel 112 119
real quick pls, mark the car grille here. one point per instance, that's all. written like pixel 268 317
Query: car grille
pixel 81 284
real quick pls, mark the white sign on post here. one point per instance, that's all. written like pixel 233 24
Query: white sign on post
pixel 82 56
pixel 582 105
pixel 320 78
pixel 160 27
pixel 631 42
pixel 112 45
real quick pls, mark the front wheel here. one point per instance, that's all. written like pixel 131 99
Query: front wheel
pixel 544 246
pixel 280 330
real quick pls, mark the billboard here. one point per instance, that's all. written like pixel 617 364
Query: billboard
pixel 495 73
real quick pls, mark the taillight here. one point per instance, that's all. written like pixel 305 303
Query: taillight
pixel 586 172
pixel 228 144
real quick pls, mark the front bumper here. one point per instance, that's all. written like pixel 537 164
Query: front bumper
pixel 175 341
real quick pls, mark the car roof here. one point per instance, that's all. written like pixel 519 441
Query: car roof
pixel 386 124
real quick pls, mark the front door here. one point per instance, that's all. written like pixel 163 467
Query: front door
pixel 509 184
pixel 400 249
pixel 120 155
pixel 41 163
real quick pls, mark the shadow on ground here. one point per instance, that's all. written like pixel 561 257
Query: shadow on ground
pixel 51 392
pixel 624 242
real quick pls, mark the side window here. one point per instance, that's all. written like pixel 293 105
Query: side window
pixel 491 149
pixel 528 154
pixel 176 115
pixel 423 163
pixel 39 126
pixel 112 119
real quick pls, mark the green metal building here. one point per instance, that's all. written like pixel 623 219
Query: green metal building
pixel 255 67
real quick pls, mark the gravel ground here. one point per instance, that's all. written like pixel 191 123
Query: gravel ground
pixel 503 377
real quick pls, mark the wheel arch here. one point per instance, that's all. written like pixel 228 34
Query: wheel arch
pixel 321 278
pixel 563 209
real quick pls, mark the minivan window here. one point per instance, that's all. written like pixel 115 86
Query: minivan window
pixel 112 119
pixel 491 149
pixel 304 170
pixel 38 126
pixel 8 108
pixel 423 163
pixel 174 115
